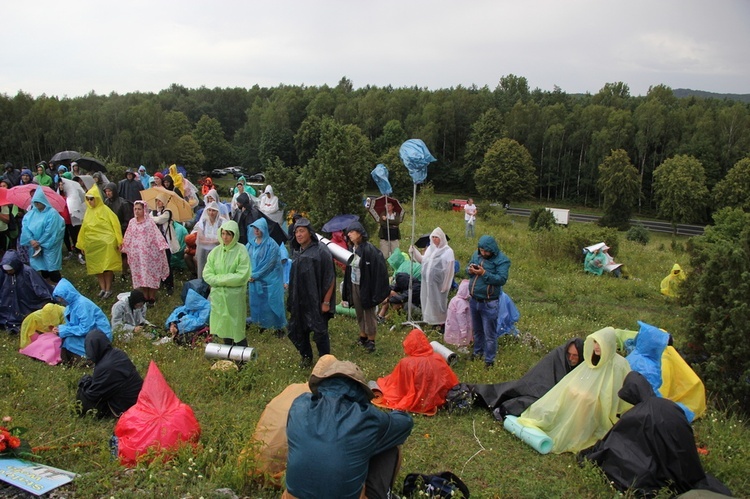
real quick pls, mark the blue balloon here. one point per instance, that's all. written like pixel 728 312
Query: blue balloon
pixel 416 157
pixel 380 176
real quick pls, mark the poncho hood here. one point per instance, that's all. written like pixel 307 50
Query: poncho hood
pixel 66 291
pixel 607 339
pixel 463 290
pixel 417 345
pixel 11 258
pixel 244 201
pixel 635 389
pixel 40 197
pixel 358 227
pixel 231 226
pixel 97 345
pixel 262 226
pixel 488 243
pixel 112 187
pixel 396 259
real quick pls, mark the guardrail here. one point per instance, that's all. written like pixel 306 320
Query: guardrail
pixel 654 226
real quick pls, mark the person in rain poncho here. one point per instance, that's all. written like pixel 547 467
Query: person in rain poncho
pixel 41 176
pixel 583 406
pixel 22 291
pixel 670 376
pixel 438 267
pixel 400 263
pixel 100 239
pixel 42 232
pixel 207 234
pixel 228 271
pixel 41 322
pixel 399 295
pixel 420 381
pixel 595 261
pixel 458 328
pixel 75 198
pixel 81 316
pixel 144 177
pixel 513 397
pixel 177 180
pixel 207 186
pixel 488 270
pixel 269 204
pixel 670 285
pixel 365 283
pixel 266 288
pixel 129 314
pixel 312 283
pixel 191 316
pixel 114 386
pixel 145 247
pixel 162 217
pixel 651 447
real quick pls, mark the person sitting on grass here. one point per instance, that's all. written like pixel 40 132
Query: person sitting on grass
pixel 190 317
pixel 129 315
pixel 115 383
pixel 22 291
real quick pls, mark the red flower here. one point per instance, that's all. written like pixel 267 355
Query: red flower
pixel 2 446
pixel 14 442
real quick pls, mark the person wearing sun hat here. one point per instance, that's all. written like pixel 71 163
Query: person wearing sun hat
pixel 340 445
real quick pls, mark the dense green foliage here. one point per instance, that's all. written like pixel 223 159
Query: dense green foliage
pixel 680 190
pixel 541 219
pixel 567 136
pixel 618 183
pixel 639 234
pixel 718 292
pixel 507 172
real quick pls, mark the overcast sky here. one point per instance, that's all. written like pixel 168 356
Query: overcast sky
pixel 70 48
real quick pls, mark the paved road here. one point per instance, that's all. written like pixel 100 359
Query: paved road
pixel 654 226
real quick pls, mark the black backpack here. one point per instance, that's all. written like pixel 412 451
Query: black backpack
pixel 459 398
pixel 445 484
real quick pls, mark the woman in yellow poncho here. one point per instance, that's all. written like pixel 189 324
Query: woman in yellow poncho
pixel 99 239
pixel 670 284
pixel 584 405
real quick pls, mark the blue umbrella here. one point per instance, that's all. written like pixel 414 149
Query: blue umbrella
pixel 380 176
pixel 339 222
pixel 416 157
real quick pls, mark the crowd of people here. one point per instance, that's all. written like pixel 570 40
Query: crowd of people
pixel 247 275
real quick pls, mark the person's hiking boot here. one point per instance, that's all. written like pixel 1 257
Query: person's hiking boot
pixel 81 259
pixel 305 363
pixel 476 356
pixel 69 255
pixel 362 340
pixel 370 346
pixel 489 365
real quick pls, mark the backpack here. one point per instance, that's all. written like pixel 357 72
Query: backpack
pixel 460 397
pixel 445 484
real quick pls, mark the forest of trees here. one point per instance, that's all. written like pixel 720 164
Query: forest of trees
pixel 567 137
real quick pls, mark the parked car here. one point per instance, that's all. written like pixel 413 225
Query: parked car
pixel 218 172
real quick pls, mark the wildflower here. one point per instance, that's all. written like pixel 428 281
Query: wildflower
pixel 8 419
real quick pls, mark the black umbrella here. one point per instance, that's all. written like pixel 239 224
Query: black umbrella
pixel 424 240
pixel 339 222
pixel 65 156
pixel 91 164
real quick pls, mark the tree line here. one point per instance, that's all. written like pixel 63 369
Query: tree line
pixel 567 140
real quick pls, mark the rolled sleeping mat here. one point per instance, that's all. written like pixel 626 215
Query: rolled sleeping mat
pixel 340 309
pixel 230 352
pixel 445 352
pixel 536 438
pixel 340 254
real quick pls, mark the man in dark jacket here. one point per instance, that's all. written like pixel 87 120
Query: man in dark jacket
pixel 248 212
pixel 129 188
pixel 13 175
pixel 488 271
pixel 115 384
pixel 120 206
pixel 365 283
pixel 312 293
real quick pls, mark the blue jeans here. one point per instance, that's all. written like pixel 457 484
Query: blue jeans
pixel 484 322
pixel 469 229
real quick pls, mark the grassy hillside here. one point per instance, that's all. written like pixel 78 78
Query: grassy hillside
pixel 556 299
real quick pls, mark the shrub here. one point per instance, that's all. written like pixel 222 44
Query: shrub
pixel 639 234
pixel 568 244
pixel 541 219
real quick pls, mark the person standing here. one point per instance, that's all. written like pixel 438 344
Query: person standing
pixel 145 178
pixel 41 176
pixel 145 247
pixel 312 282
pixel 488 271
pixel 266 288
pixel 470 217
pixel 228 271
pixel 42 231
pixel 130 188
pixel 390 234
pixel 438 268
pixel 365 283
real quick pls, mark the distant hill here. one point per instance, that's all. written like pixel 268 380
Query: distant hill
pixel 686 92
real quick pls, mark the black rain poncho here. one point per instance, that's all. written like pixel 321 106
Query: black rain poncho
pixel 21 293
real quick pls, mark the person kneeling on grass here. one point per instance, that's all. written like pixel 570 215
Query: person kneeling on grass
pixel 115 383
pixel 129 315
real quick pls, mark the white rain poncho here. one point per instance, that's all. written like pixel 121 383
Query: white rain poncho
pixel 207 235
pixel 438 267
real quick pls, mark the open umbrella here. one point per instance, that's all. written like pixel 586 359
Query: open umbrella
pixel 424 241
pixel 376 207
pixel 181 209
pixel 21 195
pixel 65 156
pixel 91 164
pixel 339 222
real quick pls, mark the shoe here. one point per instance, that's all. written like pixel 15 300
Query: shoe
pixel 69 255
pixel 81 260
pixel 476 356
pixel 124 278
pixel 305 363
pixel 489 365
pixel 370 346
pixel 106 295
pixel 362 340
pixel 101 293
pixel 170 291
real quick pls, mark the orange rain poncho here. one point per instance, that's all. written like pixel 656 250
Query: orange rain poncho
pixel 420 381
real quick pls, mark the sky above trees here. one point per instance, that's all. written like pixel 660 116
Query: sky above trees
pixel 73 48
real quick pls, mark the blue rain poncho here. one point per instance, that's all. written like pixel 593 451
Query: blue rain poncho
pixel 227 271
pixel 46 227
pixel 266 287
pixel 191 316
pixel 415 156
pixel 380 176
pixel 81 316
pixel 584 405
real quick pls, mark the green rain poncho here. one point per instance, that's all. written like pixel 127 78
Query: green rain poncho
pixel 584 405
pixel 400 263
pixel 228 271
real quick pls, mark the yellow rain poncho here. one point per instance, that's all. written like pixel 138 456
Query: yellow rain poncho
pixel 670 284
pixel 228 271
pixel 176 178
pixel 41 321
pixel 100 237
pixel 583 406
pixel 680 383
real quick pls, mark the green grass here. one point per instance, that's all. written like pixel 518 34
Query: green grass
pixel 556 299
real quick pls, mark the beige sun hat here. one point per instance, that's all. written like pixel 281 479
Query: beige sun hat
pixel 337 368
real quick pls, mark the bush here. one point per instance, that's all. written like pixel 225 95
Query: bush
pixel 541 219
pixel 718 294
pixel 568 244
pixel 639 234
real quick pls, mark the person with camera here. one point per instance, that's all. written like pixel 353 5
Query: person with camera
pixel 488 271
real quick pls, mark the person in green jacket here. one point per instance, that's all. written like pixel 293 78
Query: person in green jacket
pixel 41 176
pixel 228 271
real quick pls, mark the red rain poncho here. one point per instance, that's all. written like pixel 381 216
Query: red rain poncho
pixel 420 381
